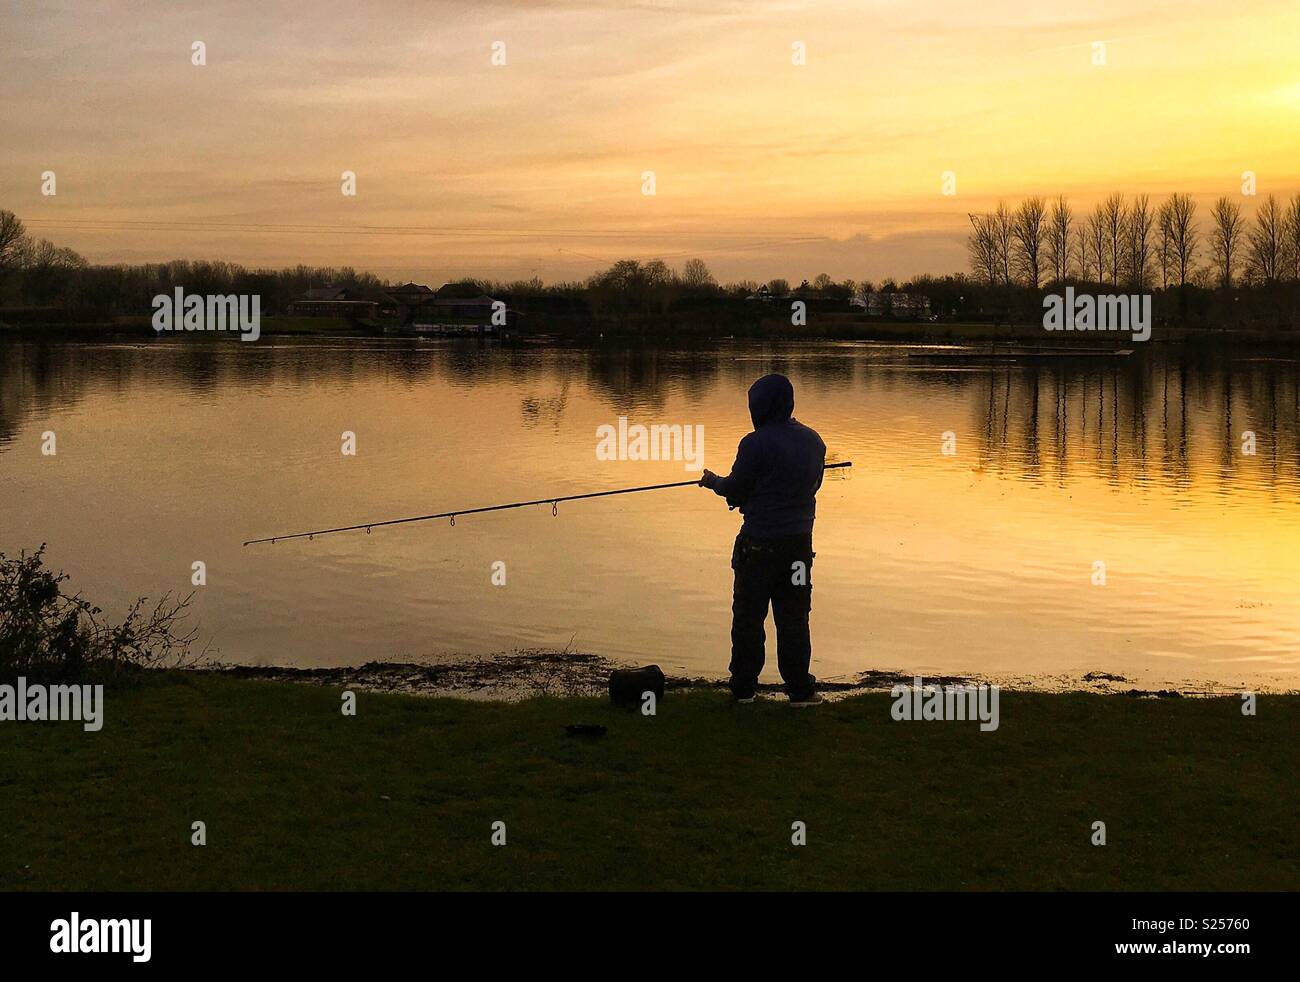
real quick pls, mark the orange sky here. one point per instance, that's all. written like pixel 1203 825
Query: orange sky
pixel 763 168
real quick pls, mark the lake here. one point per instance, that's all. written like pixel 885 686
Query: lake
pixel 981 561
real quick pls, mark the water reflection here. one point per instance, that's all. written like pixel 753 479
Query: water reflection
pixel 1171 418
pixel 974 562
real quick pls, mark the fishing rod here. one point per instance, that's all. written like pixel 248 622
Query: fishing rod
pixel 453 515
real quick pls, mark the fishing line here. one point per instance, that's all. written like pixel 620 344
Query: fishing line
pixel 554 502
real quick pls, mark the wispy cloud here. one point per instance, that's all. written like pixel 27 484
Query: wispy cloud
pixel 833 163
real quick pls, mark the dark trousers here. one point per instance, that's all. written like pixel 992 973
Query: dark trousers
pixel 779 572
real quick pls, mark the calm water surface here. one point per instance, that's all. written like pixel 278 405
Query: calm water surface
pixel 980 562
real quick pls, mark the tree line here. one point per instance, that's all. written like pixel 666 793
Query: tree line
pixel 1135 244
pixel 33 271
pixel 1220 271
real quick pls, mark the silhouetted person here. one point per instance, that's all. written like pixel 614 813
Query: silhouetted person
pixel 774 483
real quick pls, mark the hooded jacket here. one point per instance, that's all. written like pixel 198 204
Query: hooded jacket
pixel 778 467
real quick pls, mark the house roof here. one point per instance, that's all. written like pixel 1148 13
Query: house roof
pixel 410 293
pixel 460 291
pixel 480 301
pixel 325 293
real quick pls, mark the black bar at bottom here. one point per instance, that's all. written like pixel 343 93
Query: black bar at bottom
pixel 583 933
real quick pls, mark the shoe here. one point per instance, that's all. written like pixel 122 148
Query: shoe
pixel 745 701
pixel 812 699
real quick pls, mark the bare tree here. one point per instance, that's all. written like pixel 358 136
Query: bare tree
pixel 45 271
pixel 40 253
pixel 1225 238
pixel 1003 235
pixel 696 275
pixel 1138 242
pixel 1029 229
pixel 1097 241
pixel 657 272
pixel 1112 210
pixel 1059 239
pixel 13 241
pixel 1165 244
pixel 1267 239
pixel 1184 238
pixel 1082 251
pixel 982 246
pixel 1291 239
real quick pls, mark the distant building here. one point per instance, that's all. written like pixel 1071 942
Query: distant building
pixel 909 306
pixel 463 302
pixel 900 306
pixel 324 293
pixel 455 308
pixel 330 301
pixel 410 294
pixel 401 304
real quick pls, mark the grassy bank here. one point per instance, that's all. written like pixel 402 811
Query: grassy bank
pixel 403 795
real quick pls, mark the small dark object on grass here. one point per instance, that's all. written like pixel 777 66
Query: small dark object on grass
pixel 585 729
pixel 627 686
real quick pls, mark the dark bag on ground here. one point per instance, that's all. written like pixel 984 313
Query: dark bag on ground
pixel 626 685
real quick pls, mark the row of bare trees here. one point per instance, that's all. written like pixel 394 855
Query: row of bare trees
pixel 1133 244
pixel 20 251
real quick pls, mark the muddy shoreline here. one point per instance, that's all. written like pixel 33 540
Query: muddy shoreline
pixel 526 673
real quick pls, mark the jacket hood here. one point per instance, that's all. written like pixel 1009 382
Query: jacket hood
pixel 771 400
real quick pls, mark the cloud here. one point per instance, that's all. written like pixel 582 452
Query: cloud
pixel 764 166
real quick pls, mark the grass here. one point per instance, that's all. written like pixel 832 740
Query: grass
pixel 402 796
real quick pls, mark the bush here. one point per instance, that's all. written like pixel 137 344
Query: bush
pixel 47 634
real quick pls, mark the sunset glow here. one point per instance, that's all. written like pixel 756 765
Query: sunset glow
pixel 763 167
